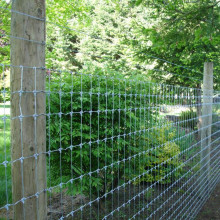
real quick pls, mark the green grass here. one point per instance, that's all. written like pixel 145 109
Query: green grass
pixel 5 173
pixel 4 106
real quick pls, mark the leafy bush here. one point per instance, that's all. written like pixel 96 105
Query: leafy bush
pixel 97 136
pixel 162 153
pixel 189 119
pixel 98 121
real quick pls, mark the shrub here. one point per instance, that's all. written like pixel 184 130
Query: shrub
pixel 107 134
pixel 189 119
pixel 162 153
pixel 93 130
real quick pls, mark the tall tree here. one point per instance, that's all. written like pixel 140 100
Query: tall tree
pixel 186 33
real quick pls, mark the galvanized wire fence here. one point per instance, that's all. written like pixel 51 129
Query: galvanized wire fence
pixel 115 148
pixel 103 146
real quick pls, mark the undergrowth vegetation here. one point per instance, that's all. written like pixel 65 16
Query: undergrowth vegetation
pixel 5 173
pixel 162 156
pixel 101 134
pixel 189 119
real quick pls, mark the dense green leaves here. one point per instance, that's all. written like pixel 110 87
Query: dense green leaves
pixel 187 34
pixel 134 36
pixel 166 41
pixel 93 109
pixel 4 32
pixel 131 37
pixel 101 132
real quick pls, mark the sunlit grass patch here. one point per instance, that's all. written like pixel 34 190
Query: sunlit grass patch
pixel 5 171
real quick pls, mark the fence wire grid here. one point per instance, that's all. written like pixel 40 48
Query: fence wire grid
pixel 115 148
pixel 103 146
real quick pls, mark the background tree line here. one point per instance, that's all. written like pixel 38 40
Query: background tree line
pixel 130 37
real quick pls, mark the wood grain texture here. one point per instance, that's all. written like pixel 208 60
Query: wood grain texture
pixel 28 177
pixel 206 121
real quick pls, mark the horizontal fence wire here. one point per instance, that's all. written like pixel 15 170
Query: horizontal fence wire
pixel 116 148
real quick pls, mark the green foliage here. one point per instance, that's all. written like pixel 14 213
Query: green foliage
pixel 5 95
pixel 4 33
pixel 148 195
pixel 5 173
pixel 162 156
pixel 96 37
pixel 4 85
pixel 127 35
pixel 215 119
pixel 185 33
pixel 106 98
pixel 188 119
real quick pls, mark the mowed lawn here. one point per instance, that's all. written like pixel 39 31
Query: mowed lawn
pixel 5 168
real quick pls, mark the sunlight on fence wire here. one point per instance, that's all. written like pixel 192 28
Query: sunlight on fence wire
pixel 115 147
pixel 103 146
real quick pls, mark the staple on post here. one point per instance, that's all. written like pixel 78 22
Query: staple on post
pixel 28 125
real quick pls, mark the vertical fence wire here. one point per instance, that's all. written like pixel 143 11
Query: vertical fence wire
pixel 116 147
pixel 119 148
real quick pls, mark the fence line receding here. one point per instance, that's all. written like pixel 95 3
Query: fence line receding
pixel 76 145
pixel 117 148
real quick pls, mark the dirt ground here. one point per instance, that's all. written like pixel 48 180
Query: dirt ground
pixel 211 209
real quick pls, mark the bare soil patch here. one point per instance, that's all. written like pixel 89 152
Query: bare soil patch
pixel 211 209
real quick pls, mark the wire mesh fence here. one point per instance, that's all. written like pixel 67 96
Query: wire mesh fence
pixel 116 148
pixel 76 145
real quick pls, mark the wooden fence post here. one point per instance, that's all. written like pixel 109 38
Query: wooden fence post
pixel 206 122
pixel 28 124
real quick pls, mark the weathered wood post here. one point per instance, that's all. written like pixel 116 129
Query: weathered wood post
pixel 199 109
pixel 28 124
pixel 206 122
